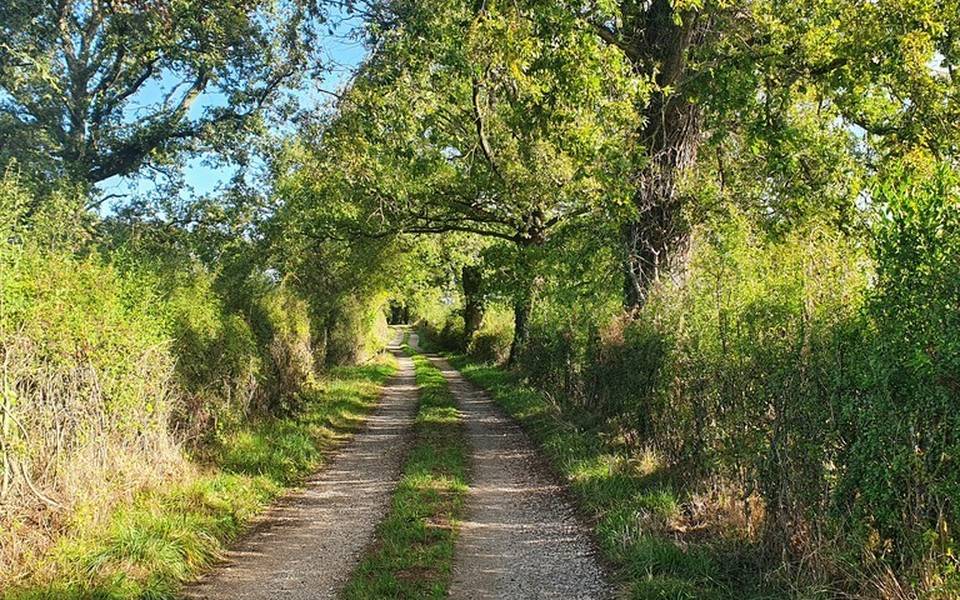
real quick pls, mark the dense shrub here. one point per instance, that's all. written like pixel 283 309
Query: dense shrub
pixel 898 424
pixel 249 352
pixel 749 390
pixel 445 333
pixel 289 353
pixel 218 363
pixel 357 330
pixel 450 335
pixel 116 357
pixel 491 343
pixel 87 395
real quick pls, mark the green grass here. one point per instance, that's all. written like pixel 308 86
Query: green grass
pixel 623 501
pixel 169 534
pixel 412 554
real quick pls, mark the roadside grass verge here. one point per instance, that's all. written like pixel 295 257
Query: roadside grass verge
pixel 171 532
pixel 631 503
pixel 412 553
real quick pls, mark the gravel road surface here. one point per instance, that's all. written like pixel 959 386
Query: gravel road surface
pixel 521 538
pixel 309 543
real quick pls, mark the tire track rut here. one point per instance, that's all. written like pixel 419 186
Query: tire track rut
pixel 521 538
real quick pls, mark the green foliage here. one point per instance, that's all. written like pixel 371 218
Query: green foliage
pixel 86 360
pixel 283 318
pixel 359 332
pixel 491 343
pixel 811 375
pixel 75 79
pixel 219 364
pixel 900 412
pixel 495 120
pixel 775 180
pixel 546 134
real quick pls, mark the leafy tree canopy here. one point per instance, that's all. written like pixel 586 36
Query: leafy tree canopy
pixel 73 77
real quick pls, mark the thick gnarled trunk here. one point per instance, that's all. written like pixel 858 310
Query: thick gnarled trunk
pixel 524 295
pixel 656 240
pixel 522 307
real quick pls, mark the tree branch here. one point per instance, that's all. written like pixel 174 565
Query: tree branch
pixel 130 153
pixel 481 133
pixel 611 38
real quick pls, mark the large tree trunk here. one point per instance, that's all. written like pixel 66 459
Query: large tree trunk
pixel 657 239
pixel 329 323
pixel 655 242
pixel 523 300
pixel 522 307
pixel 473 306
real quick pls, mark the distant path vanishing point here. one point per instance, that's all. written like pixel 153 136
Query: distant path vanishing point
pixel 308 545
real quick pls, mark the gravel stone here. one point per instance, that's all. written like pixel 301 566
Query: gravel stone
pixel 308 544
pixel 521 537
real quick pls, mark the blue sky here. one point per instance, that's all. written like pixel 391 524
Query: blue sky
pixel 343 54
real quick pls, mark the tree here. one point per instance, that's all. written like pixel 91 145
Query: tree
pixel 488 120
pixel 717 66
pixel 73 77
pixel 657 37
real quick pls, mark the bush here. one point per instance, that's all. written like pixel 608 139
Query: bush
pixel 357 330
pixel 898 422
pixel 289 351
pixel 749 386
pixel 446 334
pixel 87 393
pixel 815 375
pixel 491 343
pixel 733 375
pixel 219 367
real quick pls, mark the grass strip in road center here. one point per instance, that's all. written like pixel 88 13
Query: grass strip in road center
pixel 412 554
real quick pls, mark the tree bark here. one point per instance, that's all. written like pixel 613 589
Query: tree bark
pixel 534 235
pixel 473 309
pixel 329 323
pixel 656 240
pixel 522 307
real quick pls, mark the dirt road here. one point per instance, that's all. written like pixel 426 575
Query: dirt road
pixel 521 538
pixel 308 545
